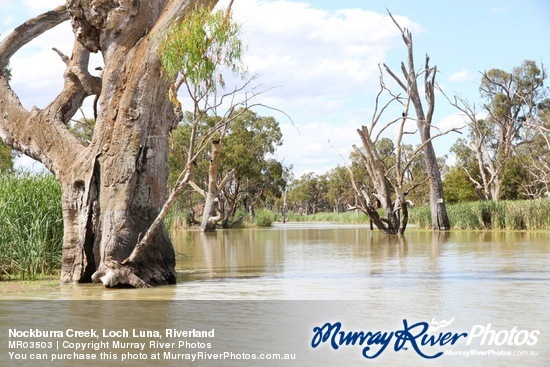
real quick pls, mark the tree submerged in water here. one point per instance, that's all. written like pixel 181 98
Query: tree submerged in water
pixel 115 187
pixel 390 187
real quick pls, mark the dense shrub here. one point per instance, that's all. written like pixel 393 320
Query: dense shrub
pixel 263 218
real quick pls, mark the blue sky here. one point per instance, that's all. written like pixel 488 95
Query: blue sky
pixel 322 57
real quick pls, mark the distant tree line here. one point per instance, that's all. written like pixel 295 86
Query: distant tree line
pixel 246 175
pixel 505 155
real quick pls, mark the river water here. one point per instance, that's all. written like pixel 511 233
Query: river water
pixel 266 290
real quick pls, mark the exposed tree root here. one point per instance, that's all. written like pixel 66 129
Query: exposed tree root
pixel 114 274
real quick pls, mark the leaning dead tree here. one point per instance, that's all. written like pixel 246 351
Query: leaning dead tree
pixel 513 129
pixel 211 213
pixel 438 209
pixel 392 182
pixel 489 166
pixel 196 53
pixel 114 189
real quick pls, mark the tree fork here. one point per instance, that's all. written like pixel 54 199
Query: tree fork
pixel 114 188
pixel 440 220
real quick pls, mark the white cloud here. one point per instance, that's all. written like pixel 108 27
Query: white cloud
pixel 37 78
pixel 316 147
pixel 37 71
pixel 7 20
pixel 462 75
pixel 27 164
pixel 37 7
pixel 313 52
pixel 451 122
pixel 325 67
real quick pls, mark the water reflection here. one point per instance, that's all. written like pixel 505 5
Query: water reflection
pixel 327 261
pixel 361 276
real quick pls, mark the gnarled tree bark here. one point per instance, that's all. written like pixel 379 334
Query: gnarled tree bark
pixel 114 188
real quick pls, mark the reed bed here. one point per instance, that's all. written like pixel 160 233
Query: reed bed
pixel 345 217
pixel 31 226
pixel 500 215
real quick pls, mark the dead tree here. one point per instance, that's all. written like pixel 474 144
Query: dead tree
pixel 390 183
pixel 212 213
pixel 438 209
pixel 489 166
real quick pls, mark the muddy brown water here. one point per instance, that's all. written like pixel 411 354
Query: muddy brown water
pixel 265 290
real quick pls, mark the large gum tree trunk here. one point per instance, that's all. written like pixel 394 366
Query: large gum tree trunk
pixel 124 181
pixel 114 188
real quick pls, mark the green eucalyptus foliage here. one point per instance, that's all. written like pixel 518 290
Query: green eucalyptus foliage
pixel 247 147
pixel 83 129
pixel 199 47
pixel 6 158
pixel 514 134
pixel 458 187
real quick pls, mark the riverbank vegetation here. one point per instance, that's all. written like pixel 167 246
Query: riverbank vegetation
pixel 352 217
pixel 492 215
pixel 503 159
pixel 31 226
pixel 476 215
pixel 32 230
pixel 261 218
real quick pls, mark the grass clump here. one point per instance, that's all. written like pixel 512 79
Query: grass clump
pixel 31 226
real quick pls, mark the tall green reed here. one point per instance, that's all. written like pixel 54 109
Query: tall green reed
pixel 507 215
pixel 31 226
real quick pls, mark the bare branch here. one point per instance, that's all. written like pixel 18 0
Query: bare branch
pixel 377 114
pixel 396 78
pixel 64 57
pixel 197 188
pixel 419 149
pixel 226 179
pixel 79 83
pixel 29 30
pixel 20 129
pixel 228 9
pixel 429 86
pixel 151 232
pixel 395 21
pixel 418 184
